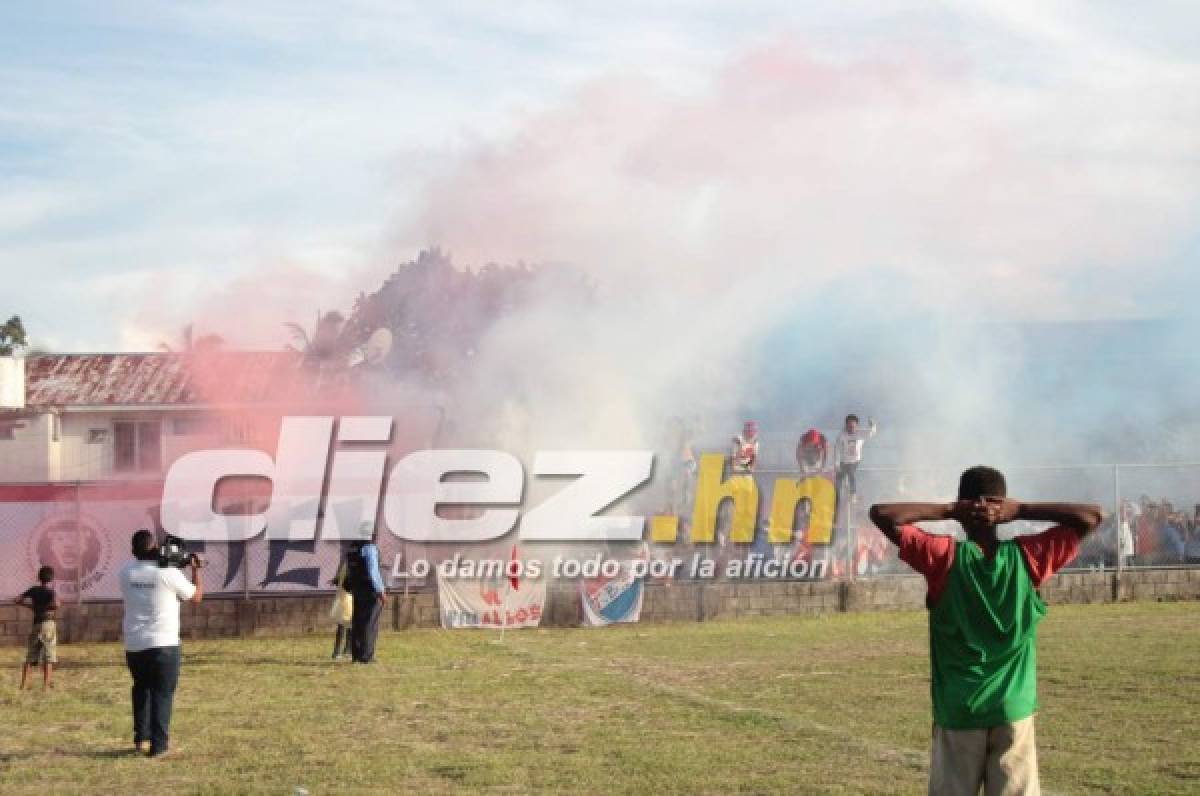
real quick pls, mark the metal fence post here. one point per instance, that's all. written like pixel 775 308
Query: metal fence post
pixel 1120 536
pixel 246 551
pixel 78 544
pixel 245 543
pixel 1117 513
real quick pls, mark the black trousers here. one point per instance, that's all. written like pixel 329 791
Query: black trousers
pixel 364 625
pixel 155 674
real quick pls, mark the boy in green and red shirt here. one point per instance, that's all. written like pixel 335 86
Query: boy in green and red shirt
pixel 984 608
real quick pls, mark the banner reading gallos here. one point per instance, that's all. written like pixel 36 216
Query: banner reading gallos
pixel 490 602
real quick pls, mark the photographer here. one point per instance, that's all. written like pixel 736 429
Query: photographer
pixel 152 588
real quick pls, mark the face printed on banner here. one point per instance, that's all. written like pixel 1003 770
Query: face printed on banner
pixel 75 546
pixel 63 546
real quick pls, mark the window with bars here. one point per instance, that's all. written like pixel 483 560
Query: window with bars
pixel 137 446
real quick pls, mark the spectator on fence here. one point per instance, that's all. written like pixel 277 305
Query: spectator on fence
pixel 743 455
pixel 42 648
pixel 681 464
pixel 1128 518
pixel 984 608
pixel 812 451
pixel 365 583
pixel 847 454
pixel 743 459
pixel 151 594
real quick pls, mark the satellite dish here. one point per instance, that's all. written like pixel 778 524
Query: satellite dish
pixel 377 347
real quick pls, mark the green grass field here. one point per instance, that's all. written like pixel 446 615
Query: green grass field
pixel 837 705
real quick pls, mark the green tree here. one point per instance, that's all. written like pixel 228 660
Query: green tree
pixel 12 336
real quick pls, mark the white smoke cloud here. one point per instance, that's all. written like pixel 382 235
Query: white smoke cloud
pixel 791 171
pixel 839 199
pixel 825 214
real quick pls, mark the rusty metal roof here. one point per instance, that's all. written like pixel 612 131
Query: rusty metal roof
pixel 163 379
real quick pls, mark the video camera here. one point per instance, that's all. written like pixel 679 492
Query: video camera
pixel 173 552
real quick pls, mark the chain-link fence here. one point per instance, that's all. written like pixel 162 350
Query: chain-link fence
pixel 83 531
pixel 1152 511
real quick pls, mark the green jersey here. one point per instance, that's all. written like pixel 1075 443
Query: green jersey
pixel 983 640
pixel 983 618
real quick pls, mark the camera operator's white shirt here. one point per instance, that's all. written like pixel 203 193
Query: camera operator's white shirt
pixel 152 594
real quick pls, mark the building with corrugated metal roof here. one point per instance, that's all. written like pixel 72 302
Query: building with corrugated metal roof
pixel 102 416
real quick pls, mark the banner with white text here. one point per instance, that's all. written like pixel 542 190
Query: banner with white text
pixel 490 602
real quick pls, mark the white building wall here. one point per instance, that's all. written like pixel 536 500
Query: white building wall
pixel 28 456
pixel 12 383
pixel 79 458
pixel 75 453
pixel 85 461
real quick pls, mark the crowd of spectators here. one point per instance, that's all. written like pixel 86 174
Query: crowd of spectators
pixel 853 549
pixel 1153 532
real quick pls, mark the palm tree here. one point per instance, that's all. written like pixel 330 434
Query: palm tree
pixel 192 344
pixel 325 344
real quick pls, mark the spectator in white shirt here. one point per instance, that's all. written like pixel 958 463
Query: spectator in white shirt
pixel 152 593
pixel 847 453
pixel 1126 523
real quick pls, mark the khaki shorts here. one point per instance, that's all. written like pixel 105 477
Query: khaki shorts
pixel 43 643
pixel 1001 760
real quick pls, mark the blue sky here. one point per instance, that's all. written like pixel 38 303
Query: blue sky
pixel 160 163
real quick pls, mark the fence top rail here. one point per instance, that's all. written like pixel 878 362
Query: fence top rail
pixel 1008 468
pixel 924 468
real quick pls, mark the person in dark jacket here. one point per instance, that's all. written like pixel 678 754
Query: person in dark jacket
pixel 365 583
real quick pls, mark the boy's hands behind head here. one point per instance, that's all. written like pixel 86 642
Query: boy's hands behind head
pixel 1004 509
pixel 984 511
pixel 964 512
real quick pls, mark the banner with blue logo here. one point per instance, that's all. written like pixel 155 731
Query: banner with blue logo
pixel 607 601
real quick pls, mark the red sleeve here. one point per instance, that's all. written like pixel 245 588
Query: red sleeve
pixel 930 554
pixel 1047 552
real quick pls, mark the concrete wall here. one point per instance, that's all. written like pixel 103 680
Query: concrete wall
pixel 685 601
